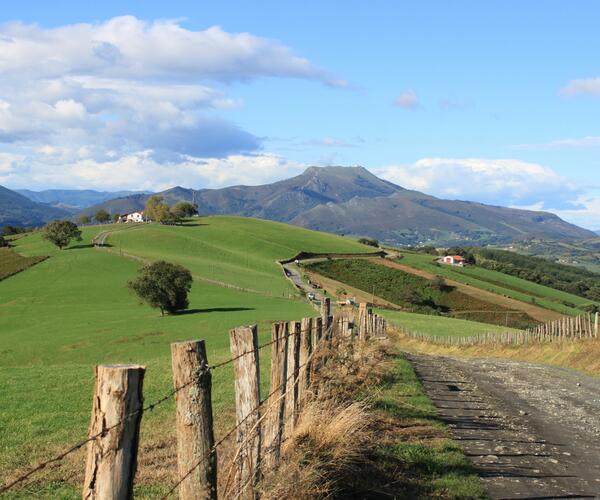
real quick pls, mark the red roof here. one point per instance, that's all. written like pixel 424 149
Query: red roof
pixel 457 257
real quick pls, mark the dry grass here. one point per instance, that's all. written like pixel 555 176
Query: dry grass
pixel 332 440
pixel 582 355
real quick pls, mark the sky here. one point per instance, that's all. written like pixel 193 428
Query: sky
pixel 494 101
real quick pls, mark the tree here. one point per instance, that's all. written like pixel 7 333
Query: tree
pixel 369 241
pixel 3 242
pixel 102 216
pixel 116 217
pixel 440 283
pixel 155 201
pixel 84 219
pixel 183 209
pixel 61 232
pixel 164 286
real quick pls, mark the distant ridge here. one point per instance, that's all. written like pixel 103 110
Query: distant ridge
pixel 353 201
pixel 17 210
pixel 73 198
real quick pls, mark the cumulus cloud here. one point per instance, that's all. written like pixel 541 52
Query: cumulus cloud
pixel 140 170
pixel 589 86
pixel 124 89
pixel 408 100
pixel 501 182
pixel 128 48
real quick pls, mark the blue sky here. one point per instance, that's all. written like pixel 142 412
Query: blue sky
pixel 489 101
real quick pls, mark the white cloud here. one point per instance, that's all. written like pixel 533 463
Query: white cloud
pixel 408 100
pixel 139 170
pixel 96 95
pixel 502 182
pixel 128 48
pixel 589 86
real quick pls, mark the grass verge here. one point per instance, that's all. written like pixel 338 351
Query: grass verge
pixel 374 435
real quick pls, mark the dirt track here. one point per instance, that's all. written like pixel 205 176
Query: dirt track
pixel 536 312
pixel 532 431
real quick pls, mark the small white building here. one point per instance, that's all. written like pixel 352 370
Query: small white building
pixel 133 217
pixel 453 260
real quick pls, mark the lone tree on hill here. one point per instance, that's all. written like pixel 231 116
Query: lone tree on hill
pixel 84 219
pixel 183 209
pixel 102 216
pixel 164 286
pixel 61 232
pixel 156 209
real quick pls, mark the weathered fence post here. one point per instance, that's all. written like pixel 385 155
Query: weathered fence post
pixel 303 362
pixel 195 437
pixel 116 416
pixel 272 435
pixel 291 385
pixel 596 315
pixel 326 312
pixel 244 350
pixel 362 322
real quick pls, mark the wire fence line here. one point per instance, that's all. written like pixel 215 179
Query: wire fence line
pixel 319 339
pixel 231 431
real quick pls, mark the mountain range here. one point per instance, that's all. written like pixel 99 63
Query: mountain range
pixel 76 199
pixel 354 202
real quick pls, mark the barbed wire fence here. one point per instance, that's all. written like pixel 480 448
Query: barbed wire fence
pixel 298 350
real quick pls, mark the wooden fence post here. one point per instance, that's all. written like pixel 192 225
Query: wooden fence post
pixel 362 322
pixel 116 409
pixel 195 437
pixel 326 312
pixel 596 324
pixel 276 402
pixel 244 350
pixel 303 363
pixel 318 343
pixel 291 385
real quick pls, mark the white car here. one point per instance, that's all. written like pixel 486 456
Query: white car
pixel 311 296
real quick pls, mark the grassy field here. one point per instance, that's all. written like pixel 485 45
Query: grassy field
pixel 12 263
pixel 416 293
pixel 61 317
pixel 499 283
pixel 439 325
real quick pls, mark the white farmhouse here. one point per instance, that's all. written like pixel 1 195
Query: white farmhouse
pixel 453 260
pixel 133 217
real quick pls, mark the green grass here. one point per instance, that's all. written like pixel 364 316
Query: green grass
pixel 500 283
pixel 439 325
pixel 432 467
pixel 63 316
pixel 232 249
pixel 12 263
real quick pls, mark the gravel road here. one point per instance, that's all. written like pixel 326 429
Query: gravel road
pixel 532 431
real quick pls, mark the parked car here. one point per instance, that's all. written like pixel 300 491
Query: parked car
pixel 311 296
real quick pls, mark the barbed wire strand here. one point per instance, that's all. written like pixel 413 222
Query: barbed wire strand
pixel 233 429
pixel 72 449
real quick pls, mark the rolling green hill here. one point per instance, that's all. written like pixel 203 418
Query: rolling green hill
pixel 66 314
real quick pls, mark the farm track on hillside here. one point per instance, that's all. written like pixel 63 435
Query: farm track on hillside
pixel 532 431
pixel 536 312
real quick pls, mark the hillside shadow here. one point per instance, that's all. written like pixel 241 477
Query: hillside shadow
pixel 214 309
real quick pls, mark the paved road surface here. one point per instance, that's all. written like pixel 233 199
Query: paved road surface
pixel 532 431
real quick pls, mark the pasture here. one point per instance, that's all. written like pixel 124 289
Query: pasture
pixel 61 317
